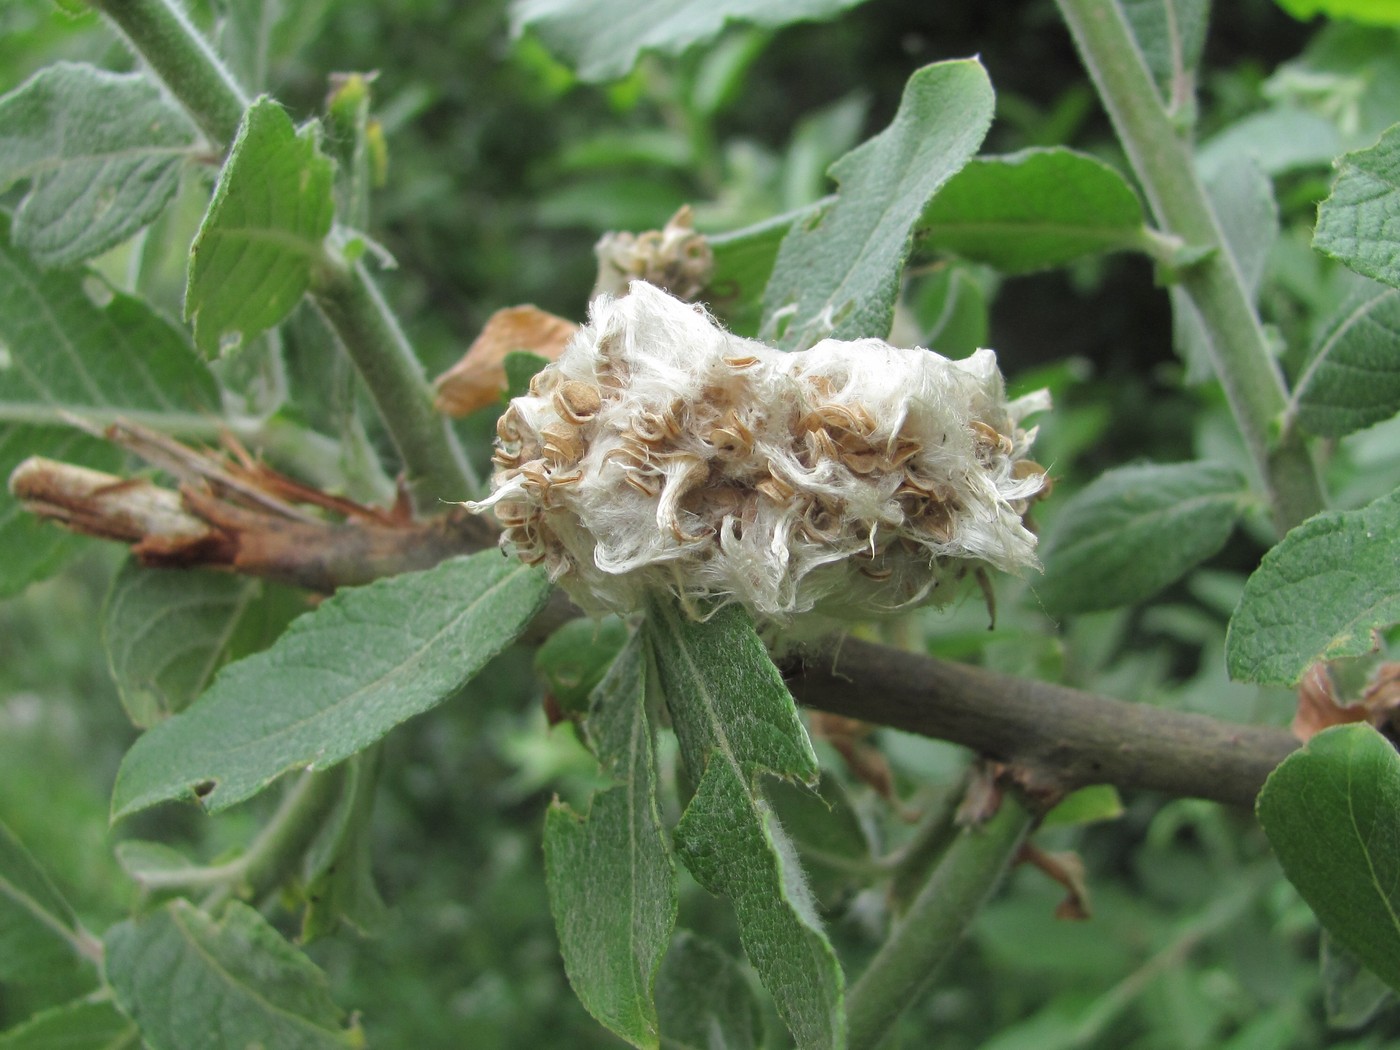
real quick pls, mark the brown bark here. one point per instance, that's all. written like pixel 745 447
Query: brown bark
pixel 1053 737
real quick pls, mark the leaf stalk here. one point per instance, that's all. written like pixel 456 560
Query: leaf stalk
pixel 1163 163
pixel 437 467
pixel 931 930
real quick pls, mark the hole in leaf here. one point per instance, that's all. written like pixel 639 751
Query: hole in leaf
pixel 204 787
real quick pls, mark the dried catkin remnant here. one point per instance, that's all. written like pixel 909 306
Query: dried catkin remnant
pixel 855 478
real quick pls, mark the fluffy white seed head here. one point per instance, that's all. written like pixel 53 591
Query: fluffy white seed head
pixel 661 452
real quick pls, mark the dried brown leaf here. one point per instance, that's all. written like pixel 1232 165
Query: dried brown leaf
pixel 479 378
pixel 1319 707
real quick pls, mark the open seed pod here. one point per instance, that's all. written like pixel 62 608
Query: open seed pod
pixel 854 478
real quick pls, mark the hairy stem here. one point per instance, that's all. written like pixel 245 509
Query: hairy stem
pixel 1164 166
pixel 930 931
pixel 365 325
pixel 162 34
pixel 272 855
pixel 437 469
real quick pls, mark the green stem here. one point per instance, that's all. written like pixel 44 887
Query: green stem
pixel 162 35
pixel 934 924
pixel 931 839
pixel 1164 166
pixel 438 471
pixel 272 855
pixel 436 466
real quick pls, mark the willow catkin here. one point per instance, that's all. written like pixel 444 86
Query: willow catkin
pixel 660 452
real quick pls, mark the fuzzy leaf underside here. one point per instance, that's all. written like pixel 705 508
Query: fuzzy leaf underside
pixel 166 633
pixel 188 979
pixel 70 346
pixel 602 39
pixel 335 682
pixel 610 873
pixel 1319 594
pixel 1135 530
pixel 837 275
pixel 102 152
pixel 735 722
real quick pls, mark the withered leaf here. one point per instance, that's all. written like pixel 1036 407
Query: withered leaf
pixel 479 378
pixel 1318 705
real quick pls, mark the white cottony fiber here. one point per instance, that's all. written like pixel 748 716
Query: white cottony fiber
pixel 854 478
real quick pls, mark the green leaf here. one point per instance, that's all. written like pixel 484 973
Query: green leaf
pixel 602 39
pixel 837 275
pixel 828 834
pixel 735 722
pixel 1088 805
pixel 1329 813
pixel 1280 140
pixel 611 878
pixel 1359 223
pixel 144 860
pixel 574 659
pixel 339 679
pixel 102 153
pixel 264 234
pixel 256 34
pixel 167 632
pixel 1135 530
pixel 1171 35
pixel 705 1000
pixel 1318 594
pixel 1033 210
pixel 68 345
pixel 1351 994
pixel 188 980
pixel 521 366
pixel 950 305
pixel 1368 12
pixel 1353 378
pixel 339 872
pixel 1242 197
pixel 81 1025
pixel 744 262
pixel 39 933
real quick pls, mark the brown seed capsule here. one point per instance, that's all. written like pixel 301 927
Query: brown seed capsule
pixel 900 451
pixel 732 439
pixel 656 427
pixel 991 438
pixel 775 488
pixel 820 448
pixel 577 402
pixel 820 524
pixel 508 424
pixel 646 484
pixel 742 361
pixel 562 444
pixel 863 461
pixel 511 514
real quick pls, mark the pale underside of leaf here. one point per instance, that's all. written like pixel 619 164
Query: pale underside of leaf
pixel 337 680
